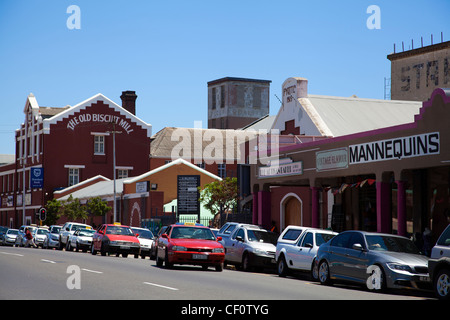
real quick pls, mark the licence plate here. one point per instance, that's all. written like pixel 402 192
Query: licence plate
pixel 425 279
pixel 199 257
pixel 125 247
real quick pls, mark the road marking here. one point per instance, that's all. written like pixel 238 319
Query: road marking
pixel 13 254
pixel 160 286
pixel 93 271
pixel 49 261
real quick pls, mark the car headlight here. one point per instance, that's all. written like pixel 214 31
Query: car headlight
pixel 399 267
pixel 179 248
pixel 218 250
pixel 259 252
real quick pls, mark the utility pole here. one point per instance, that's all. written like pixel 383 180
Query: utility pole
pixel 114 166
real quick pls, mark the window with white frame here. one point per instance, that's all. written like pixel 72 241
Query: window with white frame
pixel 74 176
pixel 122 173
pixel 99 144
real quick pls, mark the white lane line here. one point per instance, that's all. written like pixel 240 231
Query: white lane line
pixel 93 271
pixel 160 286
pixel 49 261
pixel 13 254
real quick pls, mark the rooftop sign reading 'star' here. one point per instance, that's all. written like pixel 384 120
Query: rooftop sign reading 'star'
pixel 396 148
pixel 99 118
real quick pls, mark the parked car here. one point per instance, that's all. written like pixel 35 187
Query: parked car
pixel 9 238
pixel 228 229
pixel 112 238
pixel 3 231
pixel 300 255
pixel 189 244
pixel 40 236
pixel 52 238
pixel 68 229
pixel 20 239
pixel 439 266
pixel 145 237
pixel 80 240
pixel 155 243
pixel 251 246
pixel 377 260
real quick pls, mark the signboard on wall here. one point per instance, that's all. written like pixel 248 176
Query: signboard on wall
pixel 188 194
pixel 36 178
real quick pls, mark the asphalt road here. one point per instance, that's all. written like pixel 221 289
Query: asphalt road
pixel 37 274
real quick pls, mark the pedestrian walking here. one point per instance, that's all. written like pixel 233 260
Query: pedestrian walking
pixel 29 238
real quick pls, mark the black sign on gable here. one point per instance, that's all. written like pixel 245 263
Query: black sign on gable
pixel 188 194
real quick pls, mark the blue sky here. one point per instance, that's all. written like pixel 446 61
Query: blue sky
pixel 167 51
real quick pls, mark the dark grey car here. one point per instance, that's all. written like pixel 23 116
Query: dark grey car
pixel 376 260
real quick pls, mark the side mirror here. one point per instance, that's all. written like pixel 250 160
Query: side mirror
pixel 308 245
pixel 219 238
pixel 357 246
pixel 239 238
pixel 100 231
pixel 165 236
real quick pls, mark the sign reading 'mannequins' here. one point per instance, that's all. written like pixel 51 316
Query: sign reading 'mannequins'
pixel 395 148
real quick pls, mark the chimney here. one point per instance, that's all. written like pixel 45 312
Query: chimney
pixel 129 101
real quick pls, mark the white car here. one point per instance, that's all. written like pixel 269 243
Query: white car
pixel 250 246
pixel 80 240
pixel 298 248
pixel 40 236
pixel 9 238
pixel 439 266
pixel 68 229
pixel 145 237
pixel 52 239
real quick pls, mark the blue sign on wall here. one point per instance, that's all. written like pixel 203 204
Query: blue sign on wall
pixel 36 178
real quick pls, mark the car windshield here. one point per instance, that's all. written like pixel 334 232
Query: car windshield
pixel 42 231
pixel 192 233
pixel 323 237
pixel 394 244
pixel 13 231
pixel 86 233
pixel 76 227
pixel 55 230
pixel 144 234
pixel 262 236
pixel 119 230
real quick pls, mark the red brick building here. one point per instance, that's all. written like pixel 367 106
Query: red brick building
pixel 60 147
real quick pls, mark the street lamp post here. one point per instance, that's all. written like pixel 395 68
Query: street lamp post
pixel 114 168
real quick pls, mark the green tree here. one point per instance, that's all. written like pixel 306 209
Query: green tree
pixel 73 209
pixel 97 207
pixel 53 211
pixel 220 195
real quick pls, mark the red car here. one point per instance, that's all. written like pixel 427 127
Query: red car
pixel 189 244
pixel 118 239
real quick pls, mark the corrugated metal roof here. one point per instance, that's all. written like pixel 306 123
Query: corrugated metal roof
pixel 100 189
pixel 343 116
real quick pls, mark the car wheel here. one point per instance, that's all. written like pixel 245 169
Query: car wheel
pixel 324 273
pixel 282 267
pixel 442 284
pixel 377 279
pixel 102 250
pixel 315 271
pixel 93 251
pixel 219 267
pixel 246 262
pixel 159 261
pixel 167 264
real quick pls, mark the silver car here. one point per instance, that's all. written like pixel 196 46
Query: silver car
pixel 376 260
pixel 250 246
